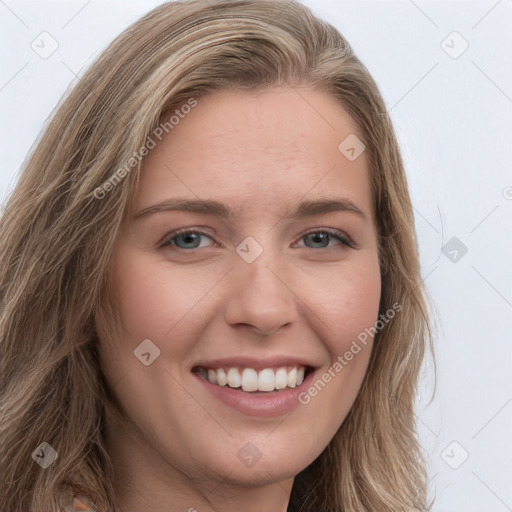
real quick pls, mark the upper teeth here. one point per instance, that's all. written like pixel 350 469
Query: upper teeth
pixel 249 379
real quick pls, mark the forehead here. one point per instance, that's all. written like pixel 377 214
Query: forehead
pixel 264 149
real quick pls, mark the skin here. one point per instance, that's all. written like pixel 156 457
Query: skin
pixel 260 154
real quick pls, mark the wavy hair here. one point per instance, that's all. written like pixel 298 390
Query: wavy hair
pixel 57 239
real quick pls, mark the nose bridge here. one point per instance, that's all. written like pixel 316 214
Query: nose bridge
pixel 263 278
pixel 261 296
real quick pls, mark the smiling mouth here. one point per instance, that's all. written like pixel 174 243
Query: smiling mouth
pixel 249 380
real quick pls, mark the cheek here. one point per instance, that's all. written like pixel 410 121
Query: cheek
pixel 348 308
pixel 347 302
pixel 155 299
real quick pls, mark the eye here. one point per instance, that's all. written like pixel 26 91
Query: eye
pixel 321 239
pixel 192 238
pixel 187 238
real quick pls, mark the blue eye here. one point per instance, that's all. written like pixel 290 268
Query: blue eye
pixel 324 237
pixel 190 238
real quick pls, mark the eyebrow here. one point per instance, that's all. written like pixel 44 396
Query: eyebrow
pixel 304 209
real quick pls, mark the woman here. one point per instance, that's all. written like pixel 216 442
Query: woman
pixel 211 295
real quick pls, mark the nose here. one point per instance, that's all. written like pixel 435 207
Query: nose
pixel 263 299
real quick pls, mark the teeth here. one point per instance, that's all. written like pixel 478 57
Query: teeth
pixel 250 380
pixel 281 378
pixel 300 376
pixel 266 380
pixel 234 378
pixel 292 378
pixel 212 376
pixel 222 380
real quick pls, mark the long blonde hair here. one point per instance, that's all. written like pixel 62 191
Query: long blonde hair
pixel 57 237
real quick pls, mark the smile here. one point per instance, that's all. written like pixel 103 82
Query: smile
pixel 266 387
pixel 251 380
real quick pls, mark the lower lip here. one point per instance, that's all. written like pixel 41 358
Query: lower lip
pixel 275 403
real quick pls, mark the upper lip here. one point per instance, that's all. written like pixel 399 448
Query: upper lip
pixel 255 362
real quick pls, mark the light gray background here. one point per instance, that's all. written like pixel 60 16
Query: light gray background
pixel 453 118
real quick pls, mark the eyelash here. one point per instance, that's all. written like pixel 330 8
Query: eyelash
pixel 340 236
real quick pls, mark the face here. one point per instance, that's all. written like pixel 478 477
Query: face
pixel 273 281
